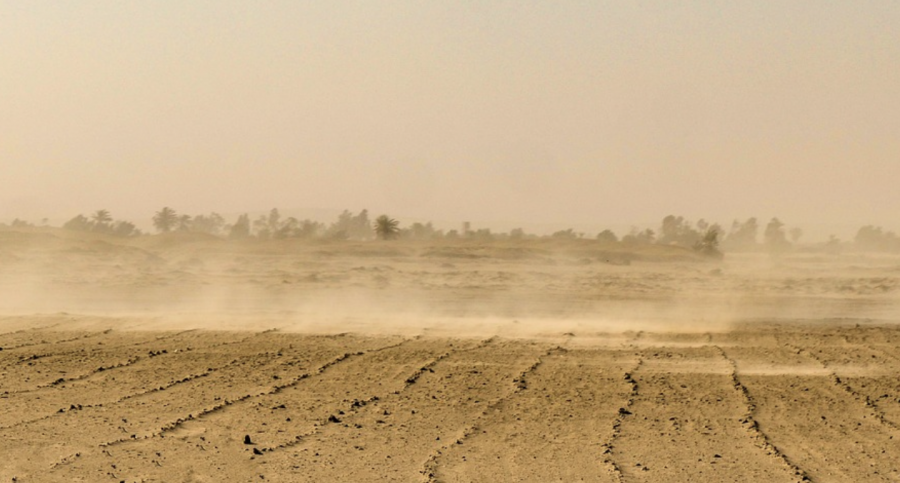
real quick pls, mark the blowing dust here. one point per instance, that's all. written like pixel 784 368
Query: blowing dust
pixel 517 289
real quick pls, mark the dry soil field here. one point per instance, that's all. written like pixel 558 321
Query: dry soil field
pixel 186 359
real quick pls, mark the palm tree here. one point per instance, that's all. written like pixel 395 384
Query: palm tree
pixel 386 227
pixel 101 218
pixel 165 219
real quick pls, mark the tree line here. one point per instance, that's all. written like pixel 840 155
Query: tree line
pixel 704 236
pixel 273 225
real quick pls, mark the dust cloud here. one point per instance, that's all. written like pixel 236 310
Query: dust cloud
pixel 514 288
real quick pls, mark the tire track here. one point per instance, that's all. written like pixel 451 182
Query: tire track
pixel 430 466
pixel 752 425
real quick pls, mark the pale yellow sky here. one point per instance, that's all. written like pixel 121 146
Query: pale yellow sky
pixel 583 112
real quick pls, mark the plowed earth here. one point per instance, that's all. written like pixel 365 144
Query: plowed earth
pixel 760 402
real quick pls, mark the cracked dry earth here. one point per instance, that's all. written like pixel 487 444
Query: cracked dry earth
pixel 759 402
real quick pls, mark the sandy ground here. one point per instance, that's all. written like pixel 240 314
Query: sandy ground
pixel 198 361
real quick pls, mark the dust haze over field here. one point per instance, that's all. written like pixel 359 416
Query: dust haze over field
pixel 522 314
pixel 190 357
pixel 516 287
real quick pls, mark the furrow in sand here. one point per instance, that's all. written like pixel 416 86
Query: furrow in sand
pixel 125 339
pixel 167 364
pixel 884 338
pixel 233 403
pixel 391 438
pixel 788 401
pixel 43 399
pixel 49 344
pixel 881 341
pixel 279 425
pixel 612 468
pixel 16 337
pixel 273 390
pixel 813 421
pixel 66 337
pixel 686 422
pixel 85 427
pixel 552 427
pixel 865 366
pixel 759 436
pixel 351 408
pixel 12 333
pixel 68 331
pixel 869 403
pixel 608 446
pixel 142 417
pixel 881 393
pixel 435 462
pixel 36 372
pixel 39 374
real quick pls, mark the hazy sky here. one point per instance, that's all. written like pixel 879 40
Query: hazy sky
pixel 575 112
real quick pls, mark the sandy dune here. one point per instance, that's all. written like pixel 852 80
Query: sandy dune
pixel 203 361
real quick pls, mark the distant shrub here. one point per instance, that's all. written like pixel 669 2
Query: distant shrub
pixel 639 237
pixel 872 237
pixel 776 239
pixel 102 222
pixel 708 244
pixel 607 236
pixel 240 229
pixel 568 234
